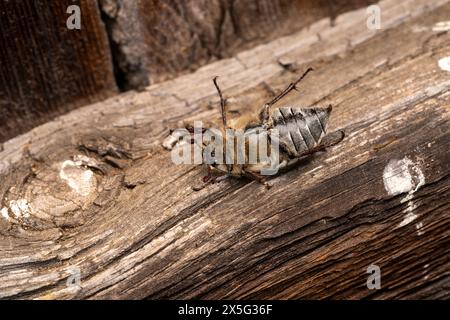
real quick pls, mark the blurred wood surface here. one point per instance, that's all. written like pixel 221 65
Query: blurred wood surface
pixel 154 40
pixel 94 191
pixel 47 69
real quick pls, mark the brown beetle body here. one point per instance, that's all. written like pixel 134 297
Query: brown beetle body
pixel 298 132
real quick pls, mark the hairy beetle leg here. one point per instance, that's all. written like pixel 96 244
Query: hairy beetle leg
pixel 209 179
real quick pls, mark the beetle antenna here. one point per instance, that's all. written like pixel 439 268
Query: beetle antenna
pixel 222 103
pixel 292 86
pixel 264 113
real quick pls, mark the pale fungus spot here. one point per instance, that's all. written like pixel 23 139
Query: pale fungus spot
pixel 444 63
pixel 81 180
pixel 4 213
pixel 419 228
pixel 404 176
pixel 20 208
pixel 441 26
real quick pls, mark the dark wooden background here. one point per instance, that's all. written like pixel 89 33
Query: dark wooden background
pixel 46 69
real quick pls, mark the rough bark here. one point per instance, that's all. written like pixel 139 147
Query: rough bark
pixel 47 69
pixel 126 217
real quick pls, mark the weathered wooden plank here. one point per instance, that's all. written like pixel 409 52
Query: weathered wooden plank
pixel 380 197
pixel 154 40
pixel 47 69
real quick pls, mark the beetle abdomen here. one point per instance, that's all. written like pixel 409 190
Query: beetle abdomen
pixel 300 129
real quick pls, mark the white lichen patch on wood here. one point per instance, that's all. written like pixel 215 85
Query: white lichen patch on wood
pixel 54 195
pixel 419 227
pixel 4 213
pixel 20 208
pixel 409 217
pixel 81 180
pixel 441 26
pixel 444 63
pixel 401 176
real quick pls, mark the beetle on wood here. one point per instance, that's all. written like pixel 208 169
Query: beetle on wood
pixel 298 132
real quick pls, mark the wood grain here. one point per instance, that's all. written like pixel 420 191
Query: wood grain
pixel 47 69
pixel 154 40
pixel 135 229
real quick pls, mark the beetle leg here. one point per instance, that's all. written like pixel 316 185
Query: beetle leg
pixel 261 179
pixel 209 179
